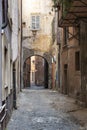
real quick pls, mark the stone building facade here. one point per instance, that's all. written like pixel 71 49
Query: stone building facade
pixel 70 63
pixel 73 54
pixel 7 94
pixel 37 31
pixel 48 57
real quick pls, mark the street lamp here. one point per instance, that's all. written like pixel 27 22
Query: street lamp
pixel 34 34
pixel 56 6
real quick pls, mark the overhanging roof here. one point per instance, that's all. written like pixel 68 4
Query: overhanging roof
pixel 76 11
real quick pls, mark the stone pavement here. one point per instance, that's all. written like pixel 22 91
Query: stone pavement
pixel 68 105
pixel 42 109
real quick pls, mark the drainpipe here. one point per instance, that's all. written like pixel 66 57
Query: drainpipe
pixel 0 72
pixel 4 25
pixel 14 87
pixel 0 54
pixel 21 81
pixel 59 66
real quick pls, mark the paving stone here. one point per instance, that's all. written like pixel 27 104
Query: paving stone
pixel 35 112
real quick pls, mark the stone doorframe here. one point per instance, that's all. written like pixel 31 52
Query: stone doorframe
pixel 48 57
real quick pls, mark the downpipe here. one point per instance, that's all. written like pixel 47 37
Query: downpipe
pixel 14 88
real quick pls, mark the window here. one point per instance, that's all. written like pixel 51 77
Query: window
pixel 35 22
pixel 77 60
pixel 65 66
pixel 4 13
pixel 66 35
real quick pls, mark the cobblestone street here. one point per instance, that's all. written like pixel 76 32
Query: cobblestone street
pixel 37 110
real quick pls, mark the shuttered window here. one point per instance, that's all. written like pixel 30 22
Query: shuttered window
pixel 35 22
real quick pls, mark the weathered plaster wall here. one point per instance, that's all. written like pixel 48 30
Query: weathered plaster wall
pixel 42 43
pixel 0 55
pixel 26 73
pixel 83 44
pixel 15 29
pixel 71 78
pixel 43 39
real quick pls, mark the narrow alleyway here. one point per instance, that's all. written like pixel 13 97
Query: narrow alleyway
pixel 37 111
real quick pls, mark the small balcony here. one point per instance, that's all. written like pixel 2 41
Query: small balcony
pixel 71 11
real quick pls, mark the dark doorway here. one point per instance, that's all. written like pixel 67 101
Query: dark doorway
pixel 35 72
pixel 46 74
pixel 65 79
pixel 26 73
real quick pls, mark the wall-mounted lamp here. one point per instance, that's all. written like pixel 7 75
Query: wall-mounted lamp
pixel 33 36
pixel 54 59
pixel 34 32
pixel 56 6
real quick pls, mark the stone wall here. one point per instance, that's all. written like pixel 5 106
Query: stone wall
pixel 29 52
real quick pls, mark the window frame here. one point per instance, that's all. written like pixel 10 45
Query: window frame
pixel 35 23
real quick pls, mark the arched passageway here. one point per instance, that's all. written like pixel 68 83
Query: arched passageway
pixel 35 72
pixel 27 53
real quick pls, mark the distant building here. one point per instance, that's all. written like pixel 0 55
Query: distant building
pixel 37 19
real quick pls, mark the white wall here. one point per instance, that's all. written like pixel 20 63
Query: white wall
pixel 43 8
pixel 15 29
pixel 6 70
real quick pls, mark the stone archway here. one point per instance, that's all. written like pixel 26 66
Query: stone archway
pixel 48 57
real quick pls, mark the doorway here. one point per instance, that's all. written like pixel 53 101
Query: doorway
pixel 35 72
pixel 65 79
